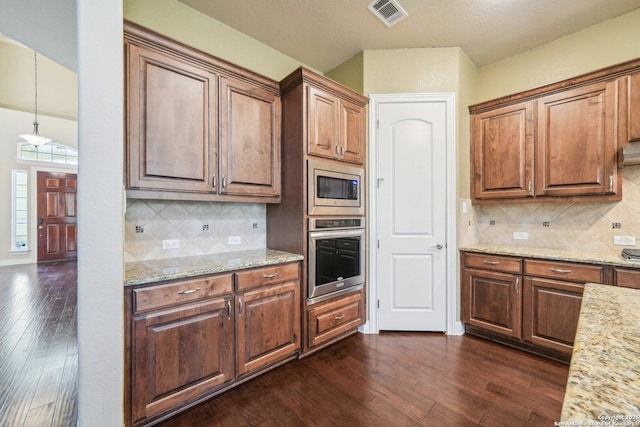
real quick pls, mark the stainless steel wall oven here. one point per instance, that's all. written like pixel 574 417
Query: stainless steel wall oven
pixel 336 255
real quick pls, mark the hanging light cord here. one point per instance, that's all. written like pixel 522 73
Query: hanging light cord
pixel 35 55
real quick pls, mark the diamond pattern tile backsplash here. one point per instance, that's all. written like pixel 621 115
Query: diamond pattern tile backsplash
pixel 580 226
pixel 202 228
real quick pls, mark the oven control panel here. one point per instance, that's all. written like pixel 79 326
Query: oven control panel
pixel 335 223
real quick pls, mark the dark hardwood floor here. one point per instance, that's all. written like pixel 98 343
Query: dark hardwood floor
pixel 38 346
pixel 391 379
pixel 396 379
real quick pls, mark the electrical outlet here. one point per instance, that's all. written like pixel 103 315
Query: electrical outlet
pixel 624 240
pixel 520 235
pixel 235 240
pixel 171 244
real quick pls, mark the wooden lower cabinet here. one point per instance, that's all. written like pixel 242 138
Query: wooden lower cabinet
pixel 530 303
pixel 329 320
pixel 180 354
pixel 191 339
pixel 492 301
pixel 268 325
pixel 628 278
pixel 551 309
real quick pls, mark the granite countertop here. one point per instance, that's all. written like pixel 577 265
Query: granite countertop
pixel 605 258
pixel 142 272
pixel 604 378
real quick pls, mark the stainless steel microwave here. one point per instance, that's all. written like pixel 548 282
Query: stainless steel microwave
pixel 334 189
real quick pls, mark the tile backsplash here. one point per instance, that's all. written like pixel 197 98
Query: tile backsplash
pixel 202 228
pixel 581 226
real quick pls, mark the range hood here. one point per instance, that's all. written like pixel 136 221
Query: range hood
pixel 631 154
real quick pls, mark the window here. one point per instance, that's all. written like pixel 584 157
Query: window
pixel 49 153
pixel 19 214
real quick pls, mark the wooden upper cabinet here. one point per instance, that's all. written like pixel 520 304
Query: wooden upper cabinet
pixel 629 128
pixel 336 127
pixel 556 142
pixel 249 139
pixel 502 152
pixel 322 122
pixel 198 128
pixel 576 142
pixel 352 132
pixel 172 123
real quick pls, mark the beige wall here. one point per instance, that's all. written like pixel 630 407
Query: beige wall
pixel 193 28
pixel 350 73
pixel 611 42
pixel 57 86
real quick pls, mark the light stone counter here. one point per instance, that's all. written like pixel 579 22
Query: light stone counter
pixel 605 258
pixel 604 378
pixel 142 272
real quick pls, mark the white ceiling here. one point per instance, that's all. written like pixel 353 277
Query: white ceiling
pixel 325 33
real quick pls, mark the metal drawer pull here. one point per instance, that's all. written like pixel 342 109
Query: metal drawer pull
pixel 491 262
pixel 269 276
pixel 557 270
pixel 339 317
pixel 190 291
pixel 517 284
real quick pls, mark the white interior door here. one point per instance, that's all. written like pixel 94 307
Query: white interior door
pixel 411 208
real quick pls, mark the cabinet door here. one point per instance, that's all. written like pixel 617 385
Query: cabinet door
pixel 576 145
pixel 249 139
pixel 502 152
pixel 268 325
pixel 179 355
pixel 550 313
pixel 352 132
pixel 322 123
pixel 491 301
pixel 171 123
pixel 629 128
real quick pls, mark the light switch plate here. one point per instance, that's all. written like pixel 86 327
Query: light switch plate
pixel 624 240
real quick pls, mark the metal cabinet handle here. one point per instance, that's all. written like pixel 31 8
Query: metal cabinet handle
pixel 224 182
pixel 269 276
pixel 239 307
pixel 491 262
pixel 530 188
pixel 213 181
pixel 559 271
pixel 228 309
pixel 611 183
pixel 517 284
pixel 339 317
pixel 187 292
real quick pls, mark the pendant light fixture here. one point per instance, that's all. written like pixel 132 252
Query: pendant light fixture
pixel 34 138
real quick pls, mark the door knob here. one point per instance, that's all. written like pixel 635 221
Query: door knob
pixel 439 246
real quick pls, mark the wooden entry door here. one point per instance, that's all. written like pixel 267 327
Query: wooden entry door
pixel 57 216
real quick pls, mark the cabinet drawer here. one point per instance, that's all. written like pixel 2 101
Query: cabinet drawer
pixel 333 318
pixel 628 278
pixel 267 275
pixel 493 263
pixel 181 292
pixel 564 271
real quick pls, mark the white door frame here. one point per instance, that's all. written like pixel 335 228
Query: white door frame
pixel 453 324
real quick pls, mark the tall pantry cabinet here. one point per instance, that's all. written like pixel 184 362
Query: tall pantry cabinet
pixel 321 119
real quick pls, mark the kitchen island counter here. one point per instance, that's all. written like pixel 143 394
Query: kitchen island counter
pixel 143 272
pixel 604 378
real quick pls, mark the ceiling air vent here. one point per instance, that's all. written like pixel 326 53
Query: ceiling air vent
pixel 389 11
